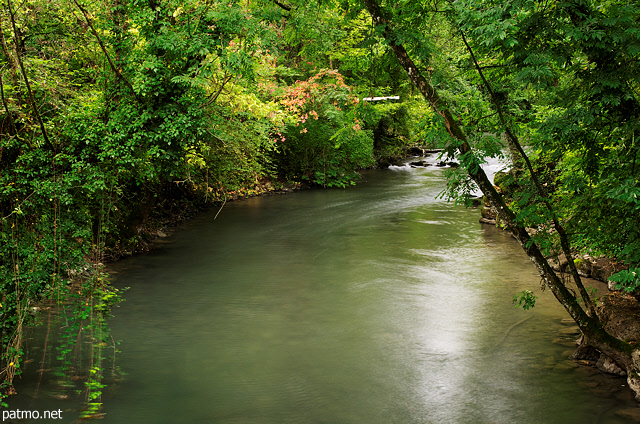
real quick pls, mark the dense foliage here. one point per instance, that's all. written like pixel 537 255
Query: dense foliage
pixel 575 67
pixel 116 111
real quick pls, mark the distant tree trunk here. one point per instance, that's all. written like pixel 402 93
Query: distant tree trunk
pixel 9 120
pixel 590 325
pixel 32 101
pixel 13 65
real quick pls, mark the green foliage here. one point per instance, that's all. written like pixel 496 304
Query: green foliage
pixel 526 299
pixel 391 124
pixel 324 141
pixel 627 280
pixel 566 77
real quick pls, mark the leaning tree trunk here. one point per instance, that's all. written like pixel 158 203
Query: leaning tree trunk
pixel 595 335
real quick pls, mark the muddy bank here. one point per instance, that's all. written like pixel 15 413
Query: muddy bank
pixel 168 213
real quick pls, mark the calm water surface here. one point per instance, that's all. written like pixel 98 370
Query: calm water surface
pixel 376 304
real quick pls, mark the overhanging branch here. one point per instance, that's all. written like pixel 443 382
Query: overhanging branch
pixel 282 5
pixel 590 325
pixel 542 193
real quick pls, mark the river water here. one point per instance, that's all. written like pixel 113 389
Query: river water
pixel 375 304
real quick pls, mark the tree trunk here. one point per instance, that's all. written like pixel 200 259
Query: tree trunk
pixel 13 65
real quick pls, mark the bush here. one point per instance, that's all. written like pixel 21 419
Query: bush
pixel 323 142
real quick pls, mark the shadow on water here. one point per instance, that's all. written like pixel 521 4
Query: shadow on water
pixel 378 304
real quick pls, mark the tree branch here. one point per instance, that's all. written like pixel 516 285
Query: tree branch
pixel 282 5
pixel 10 58
pixel 8 114
pixel 215 95
pixel 104 49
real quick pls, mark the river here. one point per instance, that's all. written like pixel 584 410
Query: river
pixel 376 304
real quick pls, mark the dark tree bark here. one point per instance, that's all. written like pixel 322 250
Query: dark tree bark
pixel 13 66
pixel 8 117
pixel 282 5
pixel 513 141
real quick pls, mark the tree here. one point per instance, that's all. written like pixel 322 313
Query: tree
pixel 609 96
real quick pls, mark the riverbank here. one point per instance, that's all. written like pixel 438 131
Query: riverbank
pixel 618 312
pixel 168 212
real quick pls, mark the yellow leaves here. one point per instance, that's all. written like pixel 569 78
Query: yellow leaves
pixel 241 100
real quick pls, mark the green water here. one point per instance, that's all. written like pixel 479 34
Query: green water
pixel 376 304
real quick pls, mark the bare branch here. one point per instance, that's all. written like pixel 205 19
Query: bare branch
pixel 282 5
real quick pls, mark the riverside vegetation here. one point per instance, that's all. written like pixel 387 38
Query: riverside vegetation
pixel 117 113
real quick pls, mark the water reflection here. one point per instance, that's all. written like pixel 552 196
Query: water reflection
pixel 378 304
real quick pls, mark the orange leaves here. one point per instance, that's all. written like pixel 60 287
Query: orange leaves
pixel 277 137
pixel 306 98
pixel 322 95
